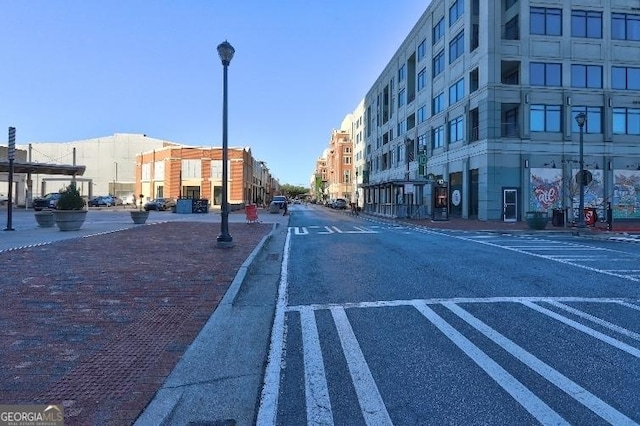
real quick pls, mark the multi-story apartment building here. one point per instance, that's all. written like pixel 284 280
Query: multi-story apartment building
pixel 339 166
pixel 196 172
pixel 476 111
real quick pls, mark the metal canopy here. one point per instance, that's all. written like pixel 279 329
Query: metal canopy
pixel 42 168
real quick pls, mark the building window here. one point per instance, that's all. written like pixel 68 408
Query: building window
pixel 422 79
pixel 586 76
pixel 586 24
pixel 545 118
pixel 216 170
pixel 625 78
pixel 422 113
pixel 438 137
pixel 402 98
pixel 456 11
pixel 625 26
pixel 346 159
pixel 456 47
pixel 512 29
pixel 593 124
pixel 191 169
pixel 438 63
pixel 402 73
pixel 402 127
pixel 422 50
pixel 545 21
pixel 438 103
pixel 456 91
pixel 438 31
pixel 626 121
pixel 542 74
pixel 456 129
pixel 509 3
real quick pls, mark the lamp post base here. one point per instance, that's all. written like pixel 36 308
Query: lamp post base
pixel 224 241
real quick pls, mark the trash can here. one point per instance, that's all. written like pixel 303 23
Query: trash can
pixel 200 205
pixel 557 217
pixel 590 216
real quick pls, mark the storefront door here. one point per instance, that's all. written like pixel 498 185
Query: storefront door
pixel 510 205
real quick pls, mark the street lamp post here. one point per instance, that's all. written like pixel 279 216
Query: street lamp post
pixel 581 118
pixel 115 179
pixel 225 240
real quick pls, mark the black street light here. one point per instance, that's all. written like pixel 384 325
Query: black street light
pixel 225 240
pixel 581 118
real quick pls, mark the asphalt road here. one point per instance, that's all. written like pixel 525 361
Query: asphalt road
pixel 386 324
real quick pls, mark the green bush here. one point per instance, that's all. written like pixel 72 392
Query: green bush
pixel 70 198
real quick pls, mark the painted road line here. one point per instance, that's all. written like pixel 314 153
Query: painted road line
pixel 587 330
pixel 271 387
pixel 628 305
pixel 568 386
pixel 329 231
pixel 373 409
pixel 315 381
pixel 596 320
pixel 457 300
pixel 534 405
pixel 542 256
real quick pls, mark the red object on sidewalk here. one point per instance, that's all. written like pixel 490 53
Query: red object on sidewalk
pixel 251 210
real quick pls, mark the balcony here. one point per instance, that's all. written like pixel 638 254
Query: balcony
pixel 510 130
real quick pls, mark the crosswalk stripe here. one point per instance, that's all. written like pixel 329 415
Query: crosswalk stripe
pixel 316 389
pixel 534 405
pixel 587 330
pixel 568 386
pixel 373 409
pixel 596 320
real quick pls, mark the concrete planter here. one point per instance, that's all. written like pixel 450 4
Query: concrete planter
pixel 139 216
pixel 537 220
pixel 70 220
pixel 45 218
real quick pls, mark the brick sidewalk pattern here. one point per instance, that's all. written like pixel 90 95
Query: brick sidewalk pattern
pixel 97 324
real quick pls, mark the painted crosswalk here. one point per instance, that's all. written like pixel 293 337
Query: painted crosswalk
pixel 477 341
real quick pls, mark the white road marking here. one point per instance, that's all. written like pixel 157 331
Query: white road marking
pixel 628 305
pixel 571 388
pixel 457 300
pixel 373 409
pixel 300 230
pixel 534 405
pixel 587 330
pixel 315 382
pixel 596 320
pixel 271 387
pixel 329 231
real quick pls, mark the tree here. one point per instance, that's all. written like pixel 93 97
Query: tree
pixel 293 191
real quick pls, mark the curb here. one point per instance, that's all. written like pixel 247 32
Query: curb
pixel 167 399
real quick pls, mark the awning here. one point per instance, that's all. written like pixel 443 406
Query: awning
pixel 42 168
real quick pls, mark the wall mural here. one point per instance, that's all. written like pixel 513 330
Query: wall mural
pixel 626 194
pixel 548 189
pixel 593 192
pixel 545 189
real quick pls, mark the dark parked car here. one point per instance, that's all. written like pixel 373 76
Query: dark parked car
pixel 102 200
pixel 49 201
pixel 160 204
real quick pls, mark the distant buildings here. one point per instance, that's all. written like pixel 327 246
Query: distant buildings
pixel 125 164
pixel 479 104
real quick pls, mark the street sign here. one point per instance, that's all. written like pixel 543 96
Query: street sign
pixel 12 143
pixel 585 178
pixel 422 159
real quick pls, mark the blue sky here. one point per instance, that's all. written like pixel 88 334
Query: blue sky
pixel 79 69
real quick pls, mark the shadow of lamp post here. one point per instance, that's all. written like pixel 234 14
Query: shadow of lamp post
pixel 224 240
pixel 581 118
